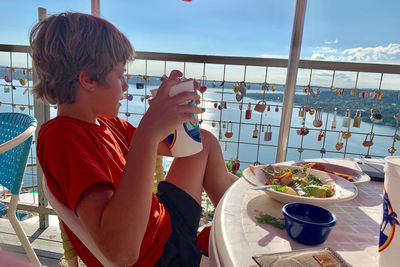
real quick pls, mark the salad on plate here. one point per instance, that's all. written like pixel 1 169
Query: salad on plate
pixel 297 182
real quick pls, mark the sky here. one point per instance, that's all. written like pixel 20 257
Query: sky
pixel 335 30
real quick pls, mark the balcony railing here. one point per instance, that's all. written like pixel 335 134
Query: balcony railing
pixel 243 100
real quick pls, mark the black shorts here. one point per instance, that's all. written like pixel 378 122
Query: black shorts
pixel 181 247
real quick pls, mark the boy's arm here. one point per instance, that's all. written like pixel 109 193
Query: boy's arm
pixel 163 149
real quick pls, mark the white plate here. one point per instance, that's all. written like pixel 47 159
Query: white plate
pixel 358 176
pixel 344 190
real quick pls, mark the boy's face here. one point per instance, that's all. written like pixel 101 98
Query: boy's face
pixel 109 94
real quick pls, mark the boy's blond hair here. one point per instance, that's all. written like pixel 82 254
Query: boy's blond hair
pixel 62 45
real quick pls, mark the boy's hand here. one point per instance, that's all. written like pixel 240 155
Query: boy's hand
pixel 166 113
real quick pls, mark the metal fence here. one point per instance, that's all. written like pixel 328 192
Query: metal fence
pixel 341 109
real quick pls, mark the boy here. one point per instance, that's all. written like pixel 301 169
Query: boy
pixel 100 165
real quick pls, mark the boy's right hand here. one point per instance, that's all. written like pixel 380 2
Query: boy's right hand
pixel 166 113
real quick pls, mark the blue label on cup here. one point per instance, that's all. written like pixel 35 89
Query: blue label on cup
pixel 389 222
pixel 192 130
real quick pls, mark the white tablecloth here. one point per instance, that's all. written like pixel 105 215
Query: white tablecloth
pixel 235 236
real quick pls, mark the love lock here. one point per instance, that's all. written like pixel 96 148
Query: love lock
pixel 396 137
pixel 164 77
pixel 229 132
pixel 321 134
pixel 391 150
pixel 213 84
pixel 346 135
pixel 346 119
pixel 265 87
pixel 129 97
pixel 318 118
pixel 300 131
pixel 339 144
pixel 139 82
pixel 368 141
pixel 300 149
pixel 242 88
pixel 322 151
pixel 213 123
pixel 248 112
pixel 235 87
pixel 376 115
pixel 268 133
pixel 203 85
pixel 23 81
pixel 239 97
pixel 255 131
pixel 357 119
pixel 333 123
pixel 260 106
pixel 311 111
pixel 301 112
pixel 311 91
pixel 8 79
pixel 276 109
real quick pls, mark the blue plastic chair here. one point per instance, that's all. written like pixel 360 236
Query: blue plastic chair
pixel 16 133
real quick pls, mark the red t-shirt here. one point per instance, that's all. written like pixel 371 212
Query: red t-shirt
pixel 75 155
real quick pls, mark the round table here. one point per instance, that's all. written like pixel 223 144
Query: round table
pixel 235 236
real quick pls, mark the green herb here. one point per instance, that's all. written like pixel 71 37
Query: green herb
pixel 268 219
pixel 280 189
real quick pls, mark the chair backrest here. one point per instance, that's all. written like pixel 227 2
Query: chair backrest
pixel 16 133
pixel 74 224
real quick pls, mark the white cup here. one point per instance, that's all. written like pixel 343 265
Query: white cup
pixel 186 139
pixel 389 237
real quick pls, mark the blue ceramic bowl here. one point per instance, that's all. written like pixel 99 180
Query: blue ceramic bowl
pixel 308 224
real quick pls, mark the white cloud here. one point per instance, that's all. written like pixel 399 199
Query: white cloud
pixel 379 54
pixel 386 54
pixel 331 42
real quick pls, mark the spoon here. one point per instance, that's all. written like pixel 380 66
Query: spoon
pixel 265 186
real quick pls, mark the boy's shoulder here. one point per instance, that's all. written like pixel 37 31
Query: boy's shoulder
pixel 62 125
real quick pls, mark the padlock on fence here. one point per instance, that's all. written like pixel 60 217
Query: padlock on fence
pixel 255 131
pixel 346 119
pixel 260 106
pixel 357 119
pixel 229 132
pixel 248 112
pixel 368 141
pixel 139 82
pixel 268 133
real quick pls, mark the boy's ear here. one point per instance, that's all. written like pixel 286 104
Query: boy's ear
pixel 86 80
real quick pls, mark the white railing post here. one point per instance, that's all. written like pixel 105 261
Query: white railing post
pixel 42 114
pixel 96 8
pixel 291 77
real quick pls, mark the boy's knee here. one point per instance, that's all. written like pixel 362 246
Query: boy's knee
pixel 208 139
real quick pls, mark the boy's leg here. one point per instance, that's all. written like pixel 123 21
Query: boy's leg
pixel 205 169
